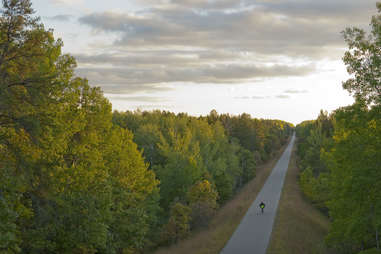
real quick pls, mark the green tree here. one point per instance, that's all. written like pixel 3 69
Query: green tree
pixel 363 61
pixel 355 200
pixel 69 182
pixel 354 159
pixel 135 195
pixel 248 165
pixel 178 226
pixel 182 169
pixel 202 199
pixel 32 72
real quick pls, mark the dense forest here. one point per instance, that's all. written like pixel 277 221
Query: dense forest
pixel 76 177
pixel 340 153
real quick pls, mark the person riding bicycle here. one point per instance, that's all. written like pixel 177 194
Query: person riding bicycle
pixel 262 206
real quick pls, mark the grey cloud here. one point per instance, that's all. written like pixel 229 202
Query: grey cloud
pixel 282 96
pixel 140 79
pixel 255 30
pixel 255 97
pixel 344 10
pixel 167 58
pixel 108 87
pixel 115 81
pixel 206 41
pixel 259 97
pixel 135 59
pixel 135 98
pixel 347 9
pixel 67 2
pixel 292 91
pixel 154 107
pixel 242 97
pixel 201 4
pixel 60 18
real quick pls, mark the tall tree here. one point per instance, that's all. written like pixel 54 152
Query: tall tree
pixel 69 182
pixel 363 61
pixel 347 143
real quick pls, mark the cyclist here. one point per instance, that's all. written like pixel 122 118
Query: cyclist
pixel 262 206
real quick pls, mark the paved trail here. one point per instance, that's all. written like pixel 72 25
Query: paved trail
pixel 253 233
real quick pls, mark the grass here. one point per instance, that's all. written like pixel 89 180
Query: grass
pixel 299 227
pixel 212 239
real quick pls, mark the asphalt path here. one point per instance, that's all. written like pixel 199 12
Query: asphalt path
pixel 253 233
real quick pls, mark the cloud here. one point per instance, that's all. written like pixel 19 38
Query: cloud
pixel 249 30
pixel 254 97
pixel 340 10
pixel 292 91
pixel 67 2
pixel 259 97
pixel 293 28
pixel 139 79
pixel 242 97
pixel 60 18
pixel 154 107
pixel 217 41
pixel 201 4
pixel 282 96
pixel 122 97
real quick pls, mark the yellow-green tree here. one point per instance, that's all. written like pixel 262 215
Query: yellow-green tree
pixel 178 226
pixel 69 181
pixel 202 199
pixel 355 204
pixel 355 179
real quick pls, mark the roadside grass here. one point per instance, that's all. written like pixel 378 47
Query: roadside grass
pixel 299 227
pixel 211 240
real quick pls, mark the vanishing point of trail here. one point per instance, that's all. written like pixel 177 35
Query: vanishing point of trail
pixel 253 233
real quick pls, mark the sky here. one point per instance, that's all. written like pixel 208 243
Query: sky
pixel 273 59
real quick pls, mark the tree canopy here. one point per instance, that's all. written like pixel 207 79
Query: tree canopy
pixel 340 153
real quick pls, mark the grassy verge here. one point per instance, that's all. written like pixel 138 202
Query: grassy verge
pixel 228 217
pixel 299 227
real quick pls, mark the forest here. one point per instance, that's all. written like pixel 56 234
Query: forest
pixel 340 153
pixel 76 177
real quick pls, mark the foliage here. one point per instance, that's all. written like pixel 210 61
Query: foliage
pixel 355 177
pixel 198 156
pixel 314 138
pixel 343 167
pixel 69 181
pixel 182 149
pixel 202 199
pixel 178 225
pixel 370 251
pixel 342 174
pixel 363 60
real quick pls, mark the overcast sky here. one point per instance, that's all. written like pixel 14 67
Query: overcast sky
pixel 278 59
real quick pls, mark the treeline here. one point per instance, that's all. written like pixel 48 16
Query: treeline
pixel 77 178
pixel 340 153
pixel 200 162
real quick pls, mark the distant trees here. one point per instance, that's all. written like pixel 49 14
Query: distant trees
pixel 198 161
pixel 341 174
pixel 341 153
pixel 314 139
